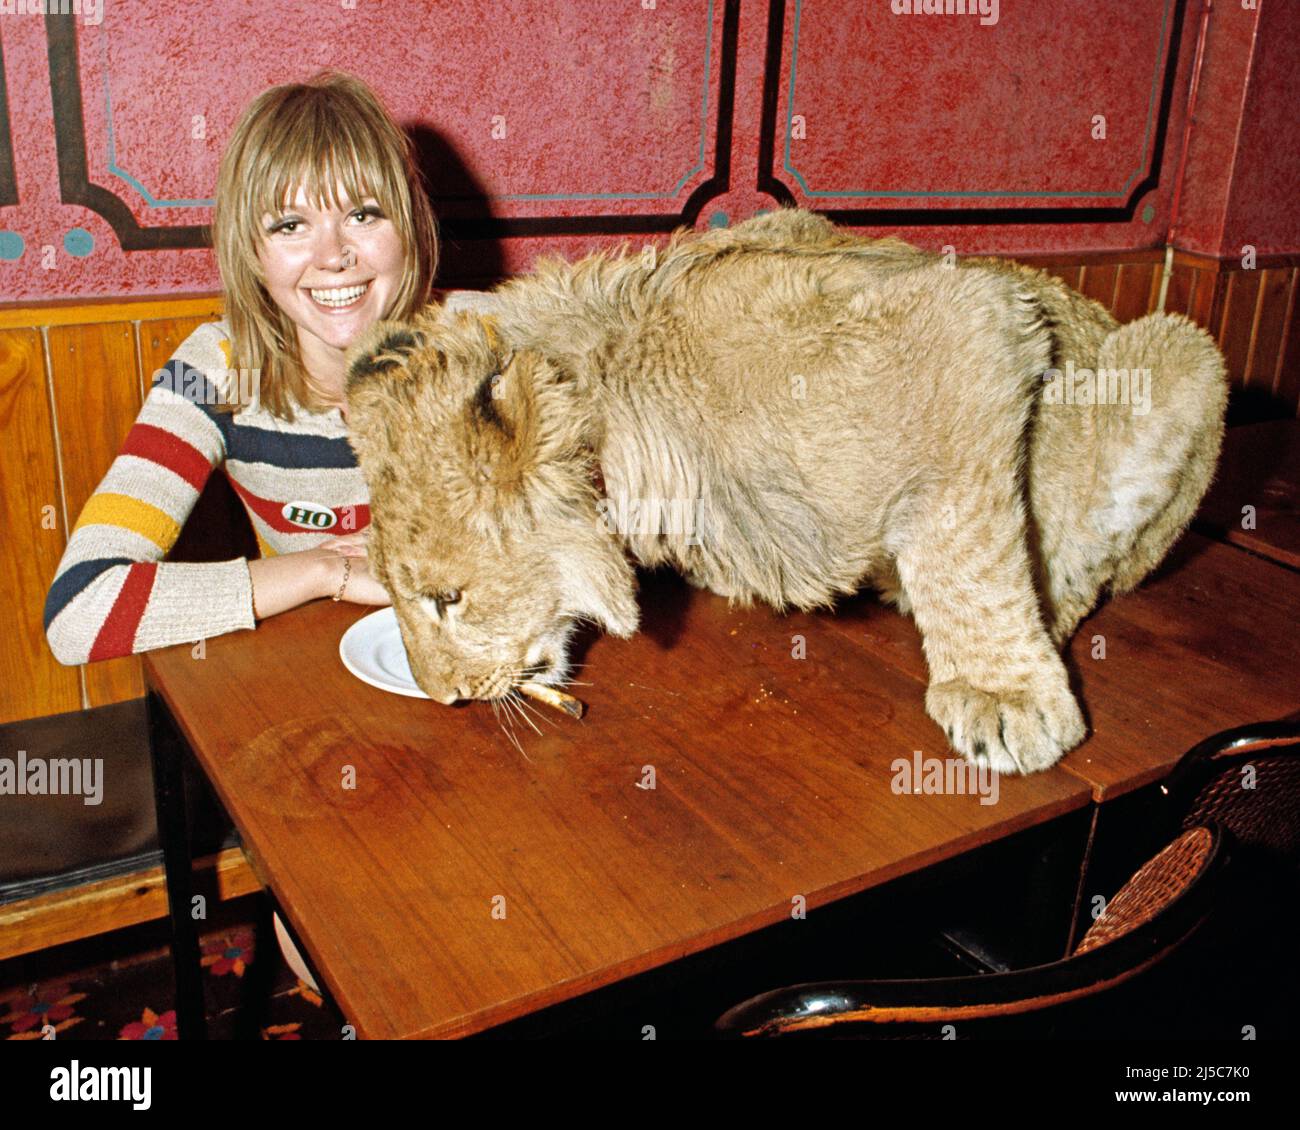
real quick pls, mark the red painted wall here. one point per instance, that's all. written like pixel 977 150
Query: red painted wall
pixel 625 118
pixel 1262 205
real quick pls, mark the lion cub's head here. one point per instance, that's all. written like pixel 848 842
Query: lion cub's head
pixel 486 532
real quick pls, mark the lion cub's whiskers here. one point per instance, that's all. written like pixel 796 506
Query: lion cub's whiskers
pixel 512 699
pixel 517 678
pixel 533 710
pixel 509 732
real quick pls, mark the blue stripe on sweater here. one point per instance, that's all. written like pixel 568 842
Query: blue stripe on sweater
pixel 191 384
pixel 251 444
pixel 72 582
pixel 284 449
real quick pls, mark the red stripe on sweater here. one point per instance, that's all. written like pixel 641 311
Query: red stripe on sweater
pixel 272 513
pixel 117 634
pixel 168 450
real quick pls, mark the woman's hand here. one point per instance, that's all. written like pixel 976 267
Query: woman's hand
pixel 290 579
pixel 361 587
pixel 349 545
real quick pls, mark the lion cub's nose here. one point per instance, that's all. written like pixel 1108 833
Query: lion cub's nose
pixel 453 696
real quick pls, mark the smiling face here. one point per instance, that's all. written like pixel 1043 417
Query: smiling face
pixel 334 267
pixel 486 531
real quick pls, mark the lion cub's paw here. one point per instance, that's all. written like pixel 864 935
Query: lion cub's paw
pixel 1011 731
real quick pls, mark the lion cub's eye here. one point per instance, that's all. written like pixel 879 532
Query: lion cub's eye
pixel 443 599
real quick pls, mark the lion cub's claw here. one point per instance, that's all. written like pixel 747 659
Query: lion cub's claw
pixel 1010 731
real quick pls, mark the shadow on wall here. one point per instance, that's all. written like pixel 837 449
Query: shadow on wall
pixel 461 203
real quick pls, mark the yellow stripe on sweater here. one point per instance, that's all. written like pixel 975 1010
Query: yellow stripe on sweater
pixel 108 509
pixel 262 543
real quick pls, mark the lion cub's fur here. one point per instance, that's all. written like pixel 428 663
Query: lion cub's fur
pixel 829 411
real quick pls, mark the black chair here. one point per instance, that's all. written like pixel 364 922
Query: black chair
pixel 1157 910
pixel 1248 780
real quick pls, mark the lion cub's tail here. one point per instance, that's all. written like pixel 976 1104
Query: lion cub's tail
pixel 1158 458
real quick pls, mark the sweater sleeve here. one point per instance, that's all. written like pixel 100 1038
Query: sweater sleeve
pixel 112 594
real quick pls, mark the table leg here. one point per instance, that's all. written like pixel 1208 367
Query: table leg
pixel 168 751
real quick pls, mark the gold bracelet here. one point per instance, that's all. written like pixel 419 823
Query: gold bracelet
pixel 347 572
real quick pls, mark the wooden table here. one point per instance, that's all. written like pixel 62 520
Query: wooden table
pixel 461 884
pixel 1209 641
pixel 772 780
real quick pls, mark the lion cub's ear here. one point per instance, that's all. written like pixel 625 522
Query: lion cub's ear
pixel 384 369
pixel 380 356
pixel 502 414
pixel 523 421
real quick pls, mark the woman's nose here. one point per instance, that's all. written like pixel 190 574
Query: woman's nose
pixel 332 250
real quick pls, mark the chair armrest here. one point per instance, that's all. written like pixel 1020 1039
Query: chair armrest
pixel 821 1005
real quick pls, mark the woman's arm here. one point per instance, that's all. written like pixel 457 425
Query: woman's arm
pixel 284 582
pixel 113 594
pixel 291 579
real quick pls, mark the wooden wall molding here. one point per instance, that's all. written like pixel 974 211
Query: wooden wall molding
pixel 62 312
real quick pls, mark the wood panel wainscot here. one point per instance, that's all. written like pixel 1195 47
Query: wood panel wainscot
pixel 72 378
pixel 1251 311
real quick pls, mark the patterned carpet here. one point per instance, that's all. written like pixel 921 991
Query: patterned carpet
pixel 119 987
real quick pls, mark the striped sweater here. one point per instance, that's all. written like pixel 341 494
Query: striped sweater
pixel 113 594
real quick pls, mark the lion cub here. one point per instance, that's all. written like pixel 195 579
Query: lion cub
pixel 988 447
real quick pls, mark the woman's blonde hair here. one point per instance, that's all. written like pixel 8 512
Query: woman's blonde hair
pixel 323 134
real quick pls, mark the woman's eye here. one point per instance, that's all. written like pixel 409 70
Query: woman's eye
pixel 368 214
pixel 285 227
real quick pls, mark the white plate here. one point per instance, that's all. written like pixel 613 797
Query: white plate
pixel 373 651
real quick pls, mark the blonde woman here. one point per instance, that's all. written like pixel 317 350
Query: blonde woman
pixel 320 228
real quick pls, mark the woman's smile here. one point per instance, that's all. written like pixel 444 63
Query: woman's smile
pixel 339 298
